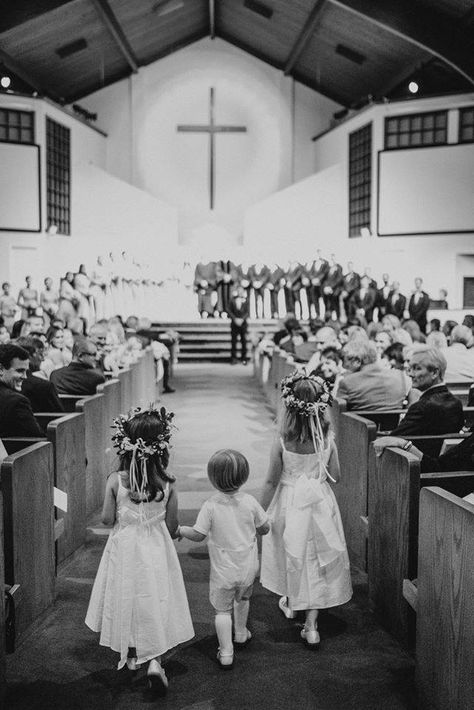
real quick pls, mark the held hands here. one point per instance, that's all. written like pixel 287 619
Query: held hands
pixel 385 442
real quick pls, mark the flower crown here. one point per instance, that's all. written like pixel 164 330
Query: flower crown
pixel 306 409
pixel 122 442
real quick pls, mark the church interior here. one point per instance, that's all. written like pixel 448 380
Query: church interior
pixel 187 185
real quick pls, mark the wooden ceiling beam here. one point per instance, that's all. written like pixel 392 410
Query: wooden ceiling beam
pixel 110 21
pixel 26 76
pixel 305 35
pixel 427 28
pixel 212 19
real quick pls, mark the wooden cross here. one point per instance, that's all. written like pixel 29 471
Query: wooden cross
pixel 212 129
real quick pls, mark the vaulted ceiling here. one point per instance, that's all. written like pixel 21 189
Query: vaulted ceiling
pixel 348 50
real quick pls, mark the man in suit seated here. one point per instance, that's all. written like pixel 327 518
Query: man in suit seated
pixel 238 314
pixel 81 376
pixel 16 415
pixel 368 384
pixel 41 392
pixel 437 411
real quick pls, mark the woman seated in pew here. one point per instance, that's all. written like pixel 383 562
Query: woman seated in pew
pixel 41 393
pixel 57 354
pixel 457 458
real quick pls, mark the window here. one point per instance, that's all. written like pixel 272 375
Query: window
pixel 58 175
pixel 466 125
pixel 417 130
pixel 17 126
pixel 360 179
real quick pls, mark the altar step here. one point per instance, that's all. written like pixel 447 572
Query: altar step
pixel 208 340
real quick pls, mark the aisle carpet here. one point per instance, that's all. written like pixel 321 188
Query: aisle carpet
pixel 61 665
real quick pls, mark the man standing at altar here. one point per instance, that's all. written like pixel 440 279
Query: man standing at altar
pixel 205 283
pixel 332 288
pixel 350 285
pixel 419 304
pixel 259 275
pixel 238 313
pixel 275 283
pixel 318 274
pixel 228 277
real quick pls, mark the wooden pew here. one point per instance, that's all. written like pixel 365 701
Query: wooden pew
pixel 2 607
pixel 97 436
pixel 112 408
pixel 67 434
pixel 445 602
pixel 126 393
pixel 355 436
pixel 393 505
pixel 26 478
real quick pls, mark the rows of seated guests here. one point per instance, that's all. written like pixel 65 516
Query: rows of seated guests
pixel 309 290
pixel 371 366
pixel 39 362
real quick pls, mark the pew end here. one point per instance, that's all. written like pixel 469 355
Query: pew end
pixel 410 592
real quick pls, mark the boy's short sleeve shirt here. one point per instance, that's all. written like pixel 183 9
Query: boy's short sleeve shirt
pixel 230 519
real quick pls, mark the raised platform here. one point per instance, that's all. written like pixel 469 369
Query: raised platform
pixel 208 340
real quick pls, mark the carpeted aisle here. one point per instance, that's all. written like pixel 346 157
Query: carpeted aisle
pixel 358 665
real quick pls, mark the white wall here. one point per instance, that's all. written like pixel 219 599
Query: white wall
pixel 141 114
pixel 106 213
pixel 434 257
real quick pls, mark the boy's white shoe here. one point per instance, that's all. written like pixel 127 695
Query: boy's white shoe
pixel 242 638
pixel 283 604
pixel 225 660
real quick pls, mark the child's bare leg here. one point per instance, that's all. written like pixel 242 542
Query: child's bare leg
pixel 223 623
pixel 311 618
pixel 241 613
pixel 157 680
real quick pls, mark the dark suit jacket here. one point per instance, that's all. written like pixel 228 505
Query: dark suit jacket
pixel 242 312
pixel 397 308
pixel 334 278
pixel 319 271
pixel 418 310
pixel 42 394
pixel 367 302
pixel 75 378
pixel 351 282
pixel 262 275
pixel 436 412
pixel 16 415
pixel 276 276
pixel 381 300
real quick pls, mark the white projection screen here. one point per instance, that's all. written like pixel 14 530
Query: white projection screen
pixel 20 196
pixel 426 190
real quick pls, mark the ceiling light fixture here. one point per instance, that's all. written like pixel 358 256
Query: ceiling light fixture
pixel 5 81
pixel 413 87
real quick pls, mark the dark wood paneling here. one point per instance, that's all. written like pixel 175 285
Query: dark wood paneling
pixel 96 434
pixel 27 488
pixel 445 602
pixel 112 408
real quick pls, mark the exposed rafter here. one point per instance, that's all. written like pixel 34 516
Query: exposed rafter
pixel 305 35
pixel 431 30
pixel 396 79
pixel 212 19
pixel 113 25
pixel 25 76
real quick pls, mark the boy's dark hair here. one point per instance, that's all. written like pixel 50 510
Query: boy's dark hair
pixel 9 352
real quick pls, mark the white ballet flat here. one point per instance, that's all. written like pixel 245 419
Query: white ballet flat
pixel 132 665
pixel 311 637
pixel 157 680
pixel 283 604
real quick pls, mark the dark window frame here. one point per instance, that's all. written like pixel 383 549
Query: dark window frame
pixel 466 125
pixel 417 130
pixel 360 179
pixel 58 176
pixel 17 126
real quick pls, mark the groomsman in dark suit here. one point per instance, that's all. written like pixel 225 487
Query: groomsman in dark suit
pixel 318 273
pixel 364 299
pixel 419 304
pixel 332 287
pixel 238 313
pixel 259 275
pixel 396 302
pixel 382 296
pixel 368 273
pixel 275 283
pixel 224 284
pixel 293 287
pixel 350 285
pixel 205 281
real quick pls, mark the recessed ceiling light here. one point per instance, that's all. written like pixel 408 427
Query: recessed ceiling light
pixel 5 81
pixel 413 87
